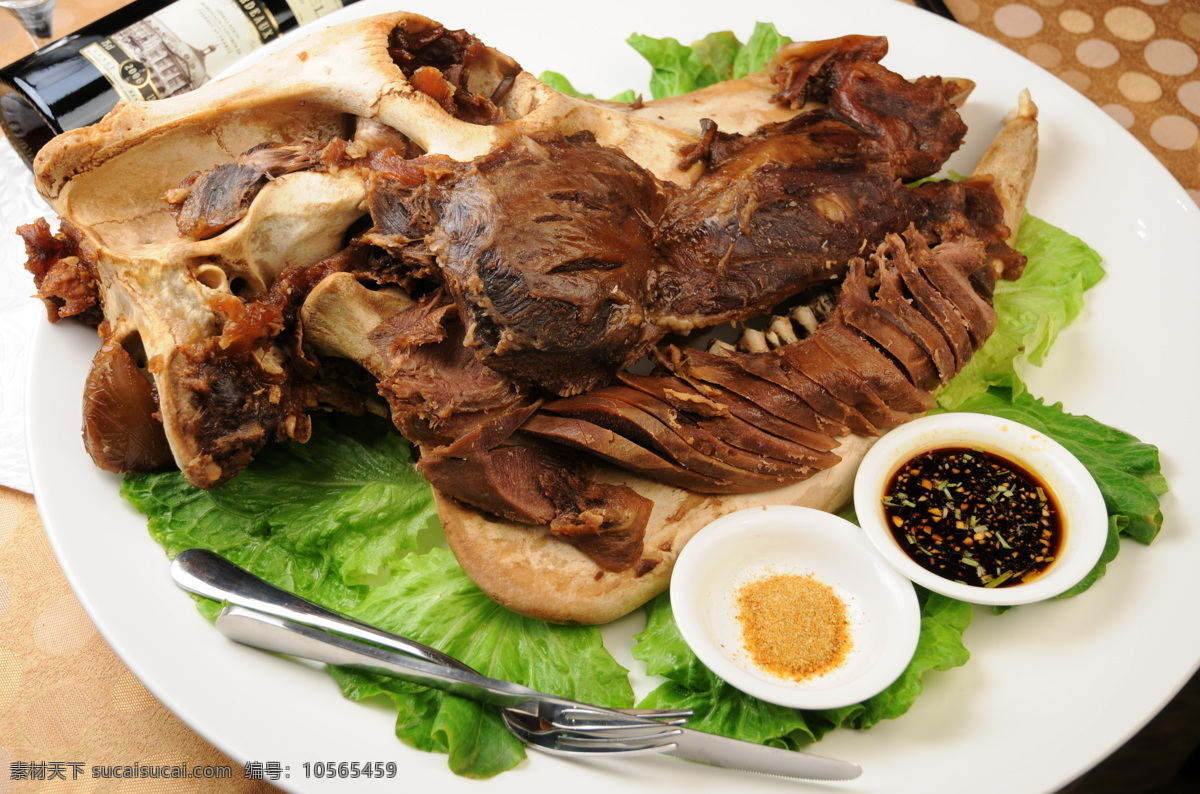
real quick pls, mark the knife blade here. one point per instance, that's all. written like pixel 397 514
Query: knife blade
pixel 708 748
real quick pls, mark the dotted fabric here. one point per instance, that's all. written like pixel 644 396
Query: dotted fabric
pixel 65 697
pixel 1138 60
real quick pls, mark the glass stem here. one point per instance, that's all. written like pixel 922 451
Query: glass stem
pixel 36 19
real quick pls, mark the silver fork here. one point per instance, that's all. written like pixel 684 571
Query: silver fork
pixel 268 617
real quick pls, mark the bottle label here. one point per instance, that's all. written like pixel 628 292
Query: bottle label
pixel 185 44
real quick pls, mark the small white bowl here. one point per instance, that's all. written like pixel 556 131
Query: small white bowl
pixel 1084 517
pixel 757 542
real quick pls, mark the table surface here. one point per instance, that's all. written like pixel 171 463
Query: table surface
pixel 67 702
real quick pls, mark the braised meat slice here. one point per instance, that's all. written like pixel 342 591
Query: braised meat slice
pixel 725 420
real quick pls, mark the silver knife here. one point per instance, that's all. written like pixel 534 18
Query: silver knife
pixel 275 619
pixel 268 632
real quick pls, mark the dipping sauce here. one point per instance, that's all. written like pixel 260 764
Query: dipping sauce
pixel 974 517
pixel 796 627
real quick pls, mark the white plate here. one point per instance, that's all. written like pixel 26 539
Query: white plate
pixel 1051 688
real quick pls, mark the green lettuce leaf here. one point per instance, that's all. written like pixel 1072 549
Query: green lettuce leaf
pixel 1031 311
pixel 759 49
pixel 321 519
pixel 678 68
pixel 430 599
pixel 719 708
pixel 672 72
pixel 562 85
pixel 347 522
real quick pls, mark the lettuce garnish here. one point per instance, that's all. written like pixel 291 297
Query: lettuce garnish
pixel 680 68
pixel 1030 312
pixel 347 522
pixel 341 521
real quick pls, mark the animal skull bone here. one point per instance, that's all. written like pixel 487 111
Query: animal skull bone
pixel 159 289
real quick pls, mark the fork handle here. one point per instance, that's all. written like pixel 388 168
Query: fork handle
pixel 208 574
pixel 272 633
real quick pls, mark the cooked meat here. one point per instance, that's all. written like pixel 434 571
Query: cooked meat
pixel 546 246
pixel 436 388
pixel 727 423
pixel 926 334
pixel 914 122
pixel 841 380
pixel 724 372
pixel 857 309
pixel 616 449
pixel 438 62
pixel 779 213
pixel 64 274
pixel 120 430
pixel 880 373
pixel 209 202
pixel 655 426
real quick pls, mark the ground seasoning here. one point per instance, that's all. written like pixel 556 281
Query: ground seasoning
pixel 796 627
pixel 974 517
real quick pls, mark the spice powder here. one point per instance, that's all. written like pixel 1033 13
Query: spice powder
pixel 795 627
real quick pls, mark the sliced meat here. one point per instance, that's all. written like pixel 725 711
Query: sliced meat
pixel 697 435
pixel 857 309
pixel 616 449
pixel 738 407
pixel 649 432
pixel 505 481
pixel 842 380
pixel 937 309
pixel 945 275
pixel 891 292
pixel 531 483
pixel 733 429
pixel 773 368
pixel 878 371
pixel 724 372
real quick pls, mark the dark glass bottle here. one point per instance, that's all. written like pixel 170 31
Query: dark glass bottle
pixel 149 49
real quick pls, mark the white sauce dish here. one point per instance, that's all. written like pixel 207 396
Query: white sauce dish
pixel 1069 491
pixel 882 615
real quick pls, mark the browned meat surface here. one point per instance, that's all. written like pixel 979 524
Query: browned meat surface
pixel 841 380
pixel 724 372
pixel 644 422
pixel 536 274
pixel 120 430
pixel 698 434
pixel 616 449
pixel 209 202
pixel 64 275
pixel 725 422
pixel 534 483
pixel 546 247
pixel 770 367
pixel 878 372
pixel 438 62
pixel 436 388
pixel 914 122
pixel 775 214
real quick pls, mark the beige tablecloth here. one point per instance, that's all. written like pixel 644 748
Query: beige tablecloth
pixel 66 699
